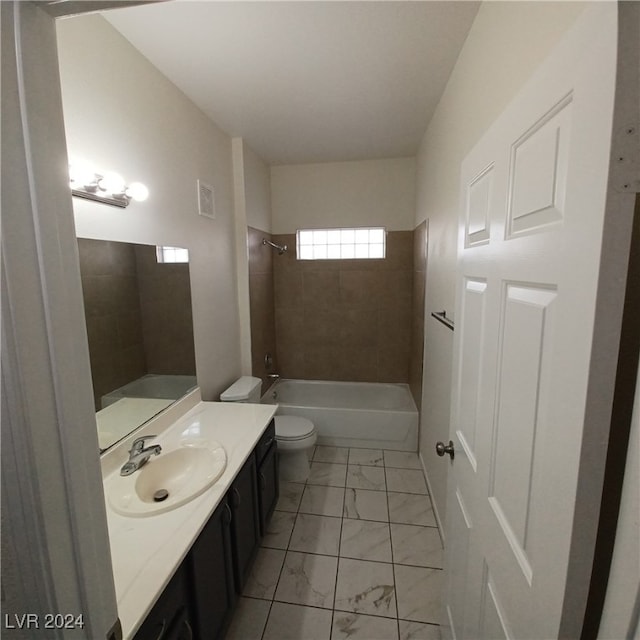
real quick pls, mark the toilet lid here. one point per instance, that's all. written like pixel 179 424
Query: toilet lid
pixel 293 427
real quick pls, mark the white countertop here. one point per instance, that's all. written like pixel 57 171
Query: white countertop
pixel 147 551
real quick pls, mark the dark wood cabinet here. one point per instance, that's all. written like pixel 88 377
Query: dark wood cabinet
pixel 268 484
pixel 181 629
pixel 169 618
pixel 211 571
pixel 245 521
pixel 198 601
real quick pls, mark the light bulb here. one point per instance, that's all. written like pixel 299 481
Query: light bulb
pixel 82 174
pixel 137 191
pixel 112 183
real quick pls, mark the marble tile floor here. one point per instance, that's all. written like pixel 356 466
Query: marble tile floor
pixel 354 553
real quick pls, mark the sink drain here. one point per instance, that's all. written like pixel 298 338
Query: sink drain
pixel 160 495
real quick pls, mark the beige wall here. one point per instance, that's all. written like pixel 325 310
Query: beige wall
pixel 252 206
pixel 342 194
pixel 507 42
pixel 257 185
pixel 122 114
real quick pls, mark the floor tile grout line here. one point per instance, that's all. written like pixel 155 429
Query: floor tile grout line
pixel 266 622
pixel 335 586
pixel 393 566
pixel 286 551
pixel 372 615
pixel 338 609
pixel 388 522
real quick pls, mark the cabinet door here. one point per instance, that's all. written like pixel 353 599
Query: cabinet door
pixel 170 611
pixel 245 527
pixel 181 629
pixel 268 485
pixel 212 587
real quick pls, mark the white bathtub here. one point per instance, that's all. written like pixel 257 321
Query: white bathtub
pixel 152 385
pixel 351 414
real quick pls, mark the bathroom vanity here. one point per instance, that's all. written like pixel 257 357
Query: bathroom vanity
pixel 178 572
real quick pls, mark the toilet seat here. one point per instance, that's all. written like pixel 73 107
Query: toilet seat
pixel 293 428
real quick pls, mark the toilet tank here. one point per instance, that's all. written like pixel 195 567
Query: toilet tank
pixel 245 389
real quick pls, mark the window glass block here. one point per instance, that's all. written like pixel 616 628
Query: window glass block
pixel 362 251
pixel 320 236
pixel 333 236
pixel 171 255
pixel 348 236
pixel 376 251
pixel 340 244
pixel 320 252
pixel 305 252
pixel 305 237
pixel 348 251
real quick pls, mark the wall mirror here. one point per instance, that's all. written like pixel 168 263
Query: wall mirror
pixel 140 331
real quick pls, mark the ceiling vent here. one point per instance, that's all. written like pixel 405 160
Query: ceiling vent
pixel 206 201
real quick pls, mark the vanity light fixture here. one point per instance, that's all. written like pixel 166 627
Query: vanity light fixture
pixel 108 187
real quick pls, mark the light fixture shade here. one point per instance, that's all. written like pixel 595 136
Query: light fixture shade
pixel 113 183
pixel 106 187
pixel 137 191
pixel 82 174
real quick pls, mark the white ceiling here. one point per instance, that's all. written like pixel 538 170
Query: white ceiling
pixel 307 81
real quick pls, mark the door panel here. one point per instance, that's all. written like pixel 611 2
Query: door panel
pixel 526 333
pixel 473 312
pixel 455 598
pixel 479 195
pixel 538 172
pixel 493 623
pixel 531 219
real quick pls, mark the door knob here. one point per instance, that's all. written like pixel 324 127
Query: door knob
pixel 442 448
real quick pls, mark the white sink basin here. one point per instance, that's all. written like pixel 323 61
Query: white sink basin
pixel 181 474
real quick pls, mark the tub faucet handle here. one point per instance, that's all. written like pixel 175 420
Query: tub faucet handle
pixel 273 376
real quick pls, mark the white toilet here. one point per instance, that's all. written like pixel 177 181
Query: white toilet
pixel 295 435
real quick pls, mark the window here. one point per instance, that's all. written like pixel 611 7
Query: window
pixel 340 244
pixel 165 255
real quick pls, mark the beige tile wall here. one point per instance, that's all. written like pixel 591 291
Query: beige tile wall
pixel 138 314
pixel 261 300
pixel 417 311
pixel 112 312
pixel 167 319
pixel 345 319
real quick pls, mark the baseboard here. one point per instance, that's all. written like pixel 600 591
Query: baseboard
pixel 433 504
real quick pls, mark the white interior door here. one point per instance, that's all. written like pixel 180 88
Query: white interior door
pixel 532 210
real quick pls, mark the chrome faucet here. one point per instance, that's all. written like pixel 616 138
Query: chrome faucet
pixel 139 455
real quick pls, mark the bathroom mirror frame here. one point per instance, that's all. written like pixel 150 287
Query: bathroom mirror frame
pixel 139 321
